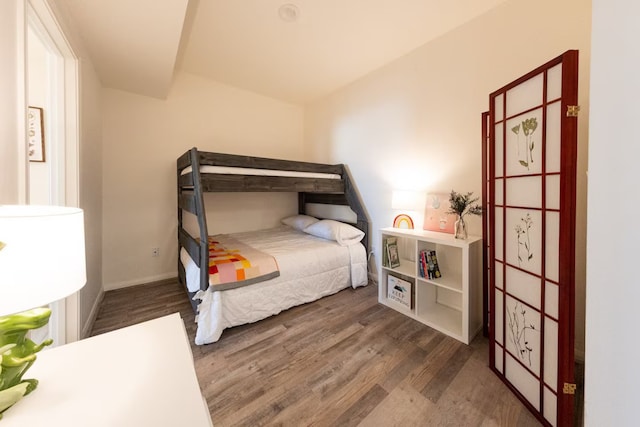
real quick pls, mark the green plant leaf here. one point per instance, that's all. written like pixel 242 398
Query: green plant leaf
pixel 11 395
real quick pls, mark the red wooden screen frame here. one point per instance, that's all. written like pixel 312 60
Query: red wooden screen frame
pixel 566 279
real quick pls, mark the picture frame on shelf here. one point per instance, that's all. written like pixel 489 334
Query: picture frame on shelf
pixel 35 130
pixel 392 253
pixel 400 291
pixel 436 216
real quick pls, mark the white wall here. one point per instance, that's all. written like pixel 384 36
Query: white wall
pixel 613 289
pixel 12 102
pixel 144 136
pixel 415 123
pixel 91 189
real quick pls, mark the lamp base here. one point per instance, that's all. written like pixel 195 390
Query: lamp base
pixel 18 353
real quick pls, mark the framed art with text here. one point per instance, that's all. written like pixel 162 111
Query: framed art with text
pixel 35 134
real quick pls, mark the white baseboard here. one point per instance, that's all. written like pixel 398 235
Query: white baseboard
pixel 139 281
pixel 88 326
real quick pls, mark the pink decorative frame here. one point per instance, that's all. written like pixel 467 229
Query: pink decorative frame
pixel 436 217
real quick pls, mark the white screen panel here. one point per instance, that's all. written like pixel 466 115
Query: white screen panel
pixel 524 286
pixel 524 239
pixel 499 155
pixel 498 329
pixel 551 299
pixel 525 96
pixel 498 234
pixel 499 362
pixel 526 383
pixel 525 192
pixel 524 144
pixel 499 107
pixel 552 254
pixel 554 82
pixel 551 353
pixel 550 407
pixel 553 192
pixel 499 192
pixel 499 273
pixel 554 116
pixel 522 327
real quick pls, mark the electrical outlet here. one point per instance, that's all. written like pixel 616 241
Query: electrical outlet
pixel 155 252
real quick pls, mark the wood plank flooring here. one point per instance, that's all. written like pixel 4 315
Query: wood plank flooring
pixel 344 360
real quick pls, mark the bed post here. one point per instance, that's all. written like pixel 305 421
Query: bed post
pixel 202 219
pixel 356 205
pixel 302 203
pixel 181 272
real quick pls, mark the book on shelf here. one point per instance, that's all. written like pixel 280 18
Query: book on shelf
pixel 436 268
pixel 429 268
pixel 385 254
pixel 393 256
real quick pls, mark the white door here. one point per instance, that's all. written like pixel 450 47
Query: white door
pixel 52 178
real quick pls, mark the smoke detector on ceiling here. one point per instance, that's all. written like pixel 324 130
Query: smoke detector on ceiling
pixel 289 12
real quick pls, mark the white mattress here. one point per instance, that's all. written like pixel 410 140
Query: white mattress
pixel 261 172
pixel 310 268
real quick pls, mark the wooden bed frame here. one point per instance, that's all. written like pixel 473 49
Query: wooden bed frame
pixel 193 184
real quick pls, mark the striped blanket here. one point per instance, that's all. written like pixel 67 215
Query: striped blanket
pixel 233 264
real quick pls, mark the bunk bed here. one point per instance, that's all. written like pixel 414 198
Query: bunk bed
pixel 200 172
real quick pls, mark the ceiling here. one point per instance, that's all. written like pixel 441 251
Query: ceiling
pixel 138 45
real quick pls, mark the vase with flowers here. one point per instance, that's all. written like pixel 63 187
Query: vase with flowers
pixel 461 205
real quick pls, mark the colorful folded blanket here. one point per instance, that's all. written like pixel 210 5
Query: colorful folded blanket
pixel 233 264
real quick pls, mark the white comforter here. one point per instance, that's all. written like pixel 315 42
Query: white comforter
pixel 310 268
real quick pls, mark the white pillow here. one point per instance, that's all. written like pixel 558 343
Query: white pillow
pixel 299 222
pixel 329 229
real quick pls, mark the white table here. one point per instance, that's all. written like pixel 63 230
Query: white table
pixel 142 375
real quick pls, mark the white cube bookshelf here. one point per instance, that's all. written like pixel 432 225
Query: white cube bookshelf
pixel 451 304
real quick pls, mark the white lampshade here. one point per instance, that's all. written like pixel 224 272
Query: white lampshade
pixel 407 200
pixel 42 257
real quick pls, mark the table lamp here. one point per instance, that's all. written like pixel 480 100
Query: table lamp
pixel 42 260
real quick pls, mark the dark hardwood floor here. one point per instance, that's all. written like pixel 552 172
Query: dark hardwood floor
pixel 344 360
